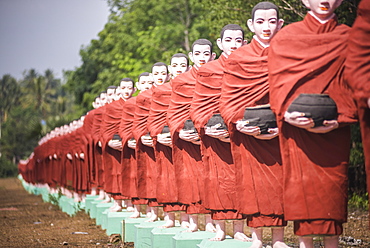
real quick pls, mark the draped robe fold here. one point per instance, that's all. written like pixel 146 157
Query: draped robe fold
pixel 358 72
pixel 308 57
pixel 186 156
pixel 259 172
pixel 219 166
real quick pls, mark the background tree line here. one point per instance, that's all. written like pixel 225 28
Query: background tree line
pixel 137 34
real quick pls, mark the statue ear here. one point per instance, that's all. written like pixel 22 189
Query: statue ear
pixel 250 25
pixel 213 57
pixel 219 44
pixel 191 56
pixel 280 24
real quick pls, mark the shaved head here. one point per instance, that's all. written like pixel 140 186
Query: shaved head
pixel 265 6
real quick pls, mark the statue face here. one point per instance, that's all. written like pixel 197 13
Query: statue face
pixel 145 83
pixel 200 55
pixel 178 65
pixel 110 95
pixel 96 103
pixel 160 74
pixel 103 99
pixel 232 40
pixel 265 24
pixel 126 89
pixel 322 8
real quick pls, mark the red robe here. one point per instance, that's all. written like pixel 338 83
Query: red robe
pixel 145 158
pixel 111 157
pixel 97 151
pixel 220 185
pixel 187 158
pixel 358 71
pixel 89 157
pixel 128 159
pixel 68 164
pixel 82 170
pixel 259 177
pixel 166 181
pixel 308 57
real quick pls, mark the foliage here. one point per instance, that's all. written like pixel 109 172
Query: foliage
pixel 25 105
pixel 7 168
pixel 359 201
pixel 138 34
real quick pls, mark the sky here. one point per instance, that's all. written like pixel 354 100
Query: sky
pixel 47 34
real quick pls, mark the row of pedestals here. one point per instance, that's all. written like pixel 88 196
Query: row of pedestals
pixel 143 234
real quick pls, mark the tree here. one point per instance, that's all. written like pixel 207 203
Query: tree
pixel 9 95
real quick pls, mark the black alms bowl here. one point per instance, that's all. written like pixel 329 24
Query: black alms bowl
pixel 217 119
pixel 260 116
pixel 189 126
pixel 319 107
pixel 116 137
pixel 166 129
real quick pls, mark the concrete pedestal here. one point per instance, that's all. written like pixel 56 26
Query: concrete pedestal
pixel 100 208
pixel 143 235
pixel 88 200
pixel 163 237
pixel 92 211
pixel 228 242
pixel 114 220
pixel 187 240
pixel 128 228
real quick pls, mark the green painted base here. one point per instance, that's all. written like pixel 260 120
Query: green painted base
pixel 114 220
pixel 143 236
pixel 45 195
pixel 228 242
pixel 93 208
pixel 63 203
pixel 186 239
pixel 128 228
pixel 100 208
pixel 88 200
pixel 163 237
pixel 104 219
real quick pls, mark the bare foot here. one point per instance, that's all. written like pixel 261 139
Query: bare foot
pixel 192 228
pixel 130 209
pixel 185 224
pixel 279 244
pixel 135 215
pixel 116 209
pixel 168 224
pixel 256 244
pixel 210 228
pixel 220 235
pixel 153 217
pixel 242 237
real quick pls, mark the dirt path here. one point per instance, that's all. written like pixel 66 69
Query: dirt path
pixel 26 221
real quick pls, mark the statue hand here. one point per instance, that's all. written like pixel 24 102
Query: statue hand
pixel 248 130
pixel 298 119
pixel 165 139
pixel 147 140
pixel 273 132
pixel 131 143
pixel 115 144
pixel 328 126
pixel 218 134
pixel 189 135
